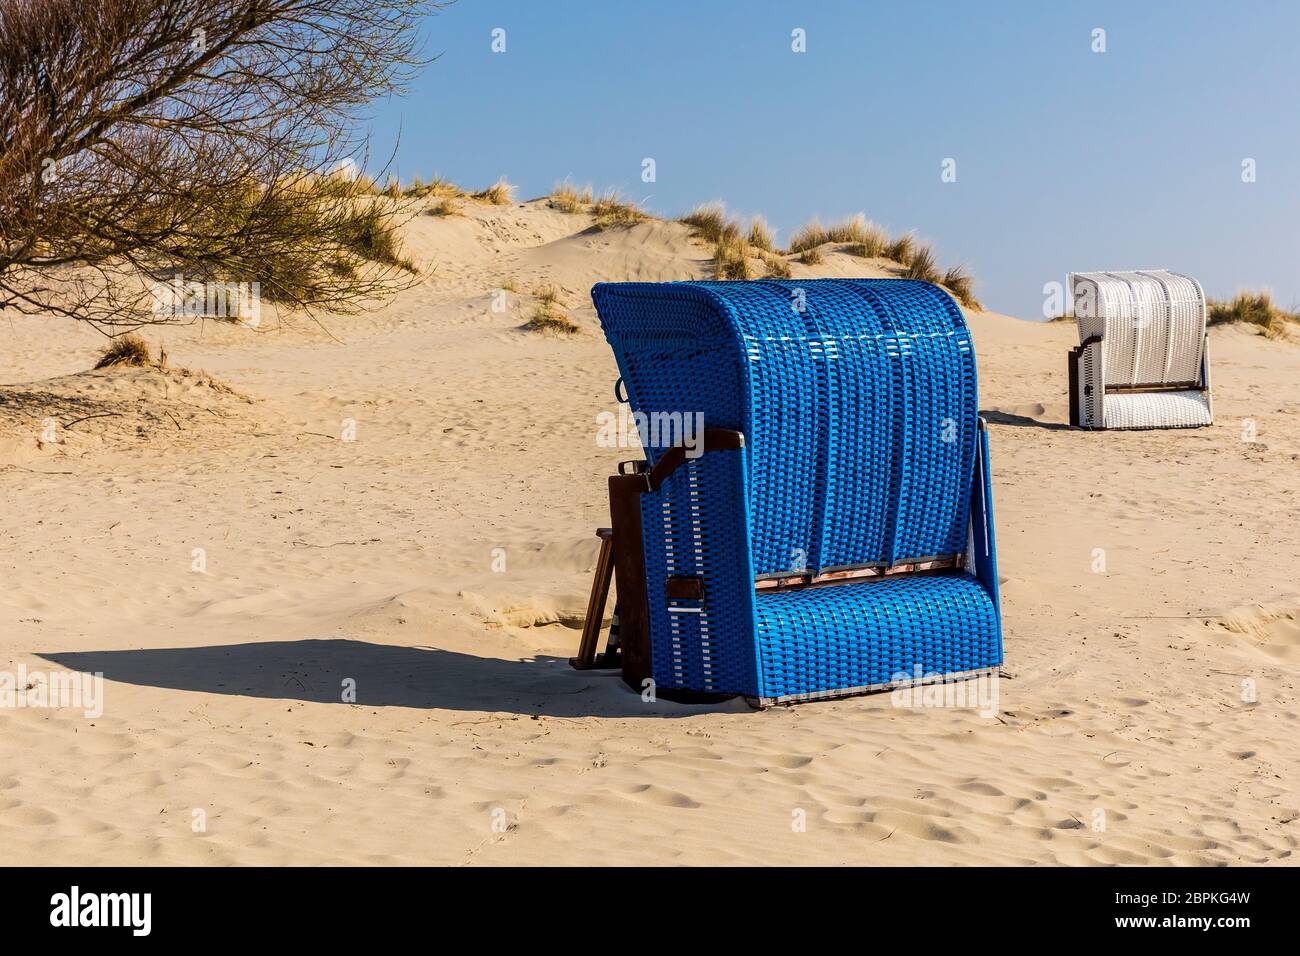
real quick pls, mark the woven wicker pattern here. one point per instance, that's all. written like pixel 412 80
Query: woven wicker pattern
pixel 696 526
pixel 857 406
pixel 1157 410
pixel 1152 329
pixel 858 635
pixel 857 399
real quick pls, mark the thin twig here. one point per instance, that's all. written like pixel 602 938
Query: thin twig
pixel 89 417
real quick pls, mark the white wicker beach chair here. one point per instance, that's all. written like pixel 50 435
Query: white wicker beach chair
pixel 1142 358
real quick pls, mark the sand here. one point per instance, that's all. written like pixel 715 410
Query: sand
pixel 438 565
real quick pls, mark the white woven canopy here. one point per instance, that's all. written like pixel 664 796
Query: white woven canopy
pixel 1141 360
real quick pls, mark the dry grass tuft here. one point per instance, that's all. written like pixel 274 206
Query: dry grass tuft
pixel 566 197
pixel 548 317
pixel 370 234
pixel 500 193
pixel 760 234
pixel 611 210
pixel 553 322
pixel 864 236
pixel 855 229
pixel 124 350
pixel 902 249
pixel 1257 309
pixel 732 256
pixel 547 295
pixel 873 242
pixel 436 187
pixel 962 286
pixel 709 221
pixel 444 207
pixel 808 236
pixel 922 266
pixel 777 266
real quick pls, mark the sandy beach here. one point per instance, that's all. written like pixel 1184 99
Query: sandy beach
pixel 401 506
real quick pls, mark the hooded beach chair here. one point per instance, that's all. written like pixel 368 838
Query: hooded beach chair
pixel 1142 359
pixel 830 530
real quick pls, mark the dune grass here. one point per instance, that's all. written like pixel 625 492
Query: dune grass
pixel 567 197
pixel 710 221
pixel 1257 309
pixel 864 236
pixel 611 209
pixel 808 236
pixel 776 265
pixel 448 206
pixel 564 197
pixel 500 193
pixel 872 244
pixel 548 316
pixel 436 187
pixel 340 185
pixel 860 236
pixel 362 185
pixel 369 234
pixel 855 229
pixel 961 284
pixel 125 350
pixel 760 235
pixel 547 295
pixel 922 265
pixel 731 242
pixel 734 244
pixel 731 253
pixel 902 249
pixel 554 322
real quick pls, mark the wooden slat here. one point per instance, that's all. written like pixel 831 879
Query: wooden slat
pixel 586 658
pixel 795 582
pixel 629 575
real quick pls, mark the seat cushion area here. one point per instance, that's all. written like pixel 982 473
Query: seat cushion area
pixel 1186 409
pixel 820 640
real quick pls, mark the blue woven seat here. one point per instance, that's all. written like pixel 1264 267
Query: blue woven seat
pixel 862 635
pixel 863 455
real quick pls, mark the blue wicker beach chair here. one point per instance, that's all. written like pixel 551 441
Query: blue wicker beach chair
pixel 830 531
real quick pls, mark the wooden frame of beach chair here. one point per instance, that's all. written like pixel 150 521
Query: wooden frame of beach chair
pixel 1143 355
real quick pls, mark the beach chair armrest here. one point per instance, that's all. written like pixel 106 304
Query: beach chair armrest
pixel 715 439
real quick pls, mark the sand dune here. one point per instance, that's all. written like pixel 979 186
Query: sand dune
pixel 1148 715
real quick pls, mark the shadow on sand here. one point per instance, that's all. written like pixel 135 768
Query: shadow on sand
pixel 995 417
pixel 385 676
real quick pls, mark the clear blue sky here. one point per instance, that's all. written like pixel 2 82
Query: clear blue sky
pixel 1065 158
